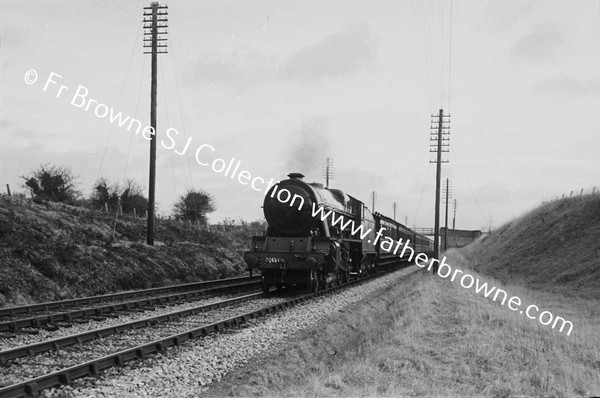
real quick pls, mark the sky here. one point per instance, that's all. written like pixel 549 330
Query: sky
pixel 283 85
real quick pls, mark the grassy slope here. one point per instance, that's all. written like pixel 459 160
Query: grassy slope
pixel 432 337
pixel 554 247
pixel 53 251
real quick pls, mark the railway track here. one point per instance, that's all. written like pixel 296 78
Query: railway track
pixel 12 319
pixel 63 304
pixel 26 370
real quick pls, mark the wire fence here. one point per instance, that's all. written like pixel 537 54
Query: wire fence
pixel 576 192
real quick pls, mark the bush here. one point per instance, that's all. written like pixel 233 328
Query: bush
pixel 52 183
pixel 111 195
pixel 193 206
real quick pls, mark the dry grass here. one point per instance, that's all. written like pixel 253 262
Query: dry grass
pixel 53 251
pixel 431 337
pixel 555 247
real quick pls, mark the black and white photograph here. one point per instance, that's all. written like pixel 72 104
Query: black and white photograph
pixel 282 198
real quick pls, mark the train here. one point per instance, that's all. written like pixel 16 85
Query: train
pixel 301 247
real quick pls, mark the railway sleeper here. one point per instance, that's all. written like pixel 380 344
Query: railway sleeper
pixel 26 331
pixel 65 378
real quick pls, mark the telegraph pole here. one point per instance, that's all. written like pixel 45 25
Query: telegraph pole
pixel 439 148
pixel 373 195
pixel 454 217
pixel 446 225
pixel 328 171
pixel 394 211
pixel 157 20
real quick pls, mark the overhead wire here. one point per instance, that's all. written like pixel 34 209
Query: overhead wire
pixel 443 46
pixel 119 100
pixel 137 103
pixel 470 189
pixel 182 118
pixel 164 90
pixel 110 11
pixel 422 191
pixel 450 56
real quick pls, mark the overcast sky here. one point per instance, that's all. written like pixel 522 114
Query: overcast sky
pixel 281 85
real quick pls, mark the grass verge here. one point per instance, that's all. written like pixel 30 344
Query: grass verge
pixel 431 337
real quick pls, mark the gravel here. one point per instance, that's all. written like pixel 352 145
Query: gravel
pixel 25 368
pixel 185 371
pixel 176 297
pixel 21 339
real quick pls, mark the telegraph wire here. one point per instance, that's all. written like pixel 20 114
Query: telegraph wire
pixel 182 118
pixel 450 57
pixel 443 45
pixel 470 189
pixel 164 90
pixel 421 196
pixel 137 103
pixel 120 99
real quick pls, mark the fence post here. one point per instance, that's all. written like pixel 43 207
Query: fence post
pixel 134 213
pixel 8 189
pixel 571 194
pixel 581 193
pixel 106 206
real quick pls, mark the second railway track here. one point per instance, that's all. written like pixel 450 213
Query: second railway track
pixel 63 304
pixel 17 318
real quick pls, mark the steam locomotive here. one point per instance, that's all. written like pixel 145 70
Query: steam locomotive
pixel 302 248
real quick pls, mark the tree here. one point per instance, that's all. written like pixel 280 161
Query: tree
pixel 105 194
pixel 130 197
pixel 133 198
pixel 53 183
pixel 193 206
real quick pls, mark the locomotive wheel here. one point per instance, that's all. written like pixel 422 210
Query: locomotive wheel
pixel 314 281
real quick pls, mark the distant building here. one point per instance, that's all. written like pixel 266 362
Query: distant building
pixel 457 237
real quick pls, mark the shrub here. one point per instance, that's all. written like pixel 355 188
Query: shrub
pixel 193 206
pixel 52 183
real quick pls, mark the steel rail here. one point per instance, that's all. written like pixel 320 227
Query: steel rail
pixel 51 305
pixel 80 338
pixel 69 316
pixel 93 368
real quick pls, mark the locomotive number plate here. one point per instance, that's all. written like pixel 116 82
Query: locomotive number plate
pixel 273 260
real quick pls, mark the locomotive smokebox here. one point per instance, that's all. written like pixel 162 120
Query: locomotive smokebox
pixel 288 206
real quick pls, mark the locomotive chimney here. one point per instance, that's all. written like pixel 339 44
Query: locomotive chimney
pixel 296 176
